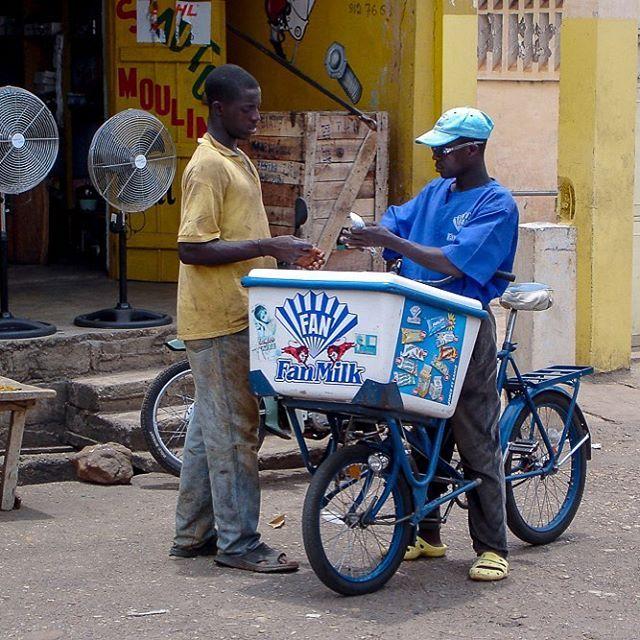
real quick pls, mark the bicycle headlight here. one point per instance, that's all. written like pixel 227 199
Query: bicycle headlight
pixel 377 462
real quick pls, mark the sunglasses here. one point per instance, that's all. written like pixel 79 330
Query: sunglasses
pixel 445 151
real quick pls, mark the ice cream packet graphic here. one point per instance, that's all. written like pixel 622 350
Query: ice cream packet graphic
pixel 435 389
pixel 412 335
pixel 442 368
pixel 434 325
pixel 446 337
pixel 448 353
pixel 403 379
pixel 414 351
pixel 422 388
pixel 410 366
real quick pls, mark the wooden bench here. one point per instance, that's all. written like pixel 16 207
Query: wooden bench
pixel 17 398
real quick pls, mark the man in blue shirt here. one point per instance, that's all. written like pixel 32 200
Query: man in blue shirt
pixel 464 224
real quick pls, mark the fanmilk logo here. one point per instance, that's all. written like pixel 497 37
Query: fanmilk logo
pixel 461 220
pixel 316 322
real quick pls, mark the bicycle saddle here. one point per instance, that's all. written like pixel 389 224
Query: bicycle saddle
pixel 527 296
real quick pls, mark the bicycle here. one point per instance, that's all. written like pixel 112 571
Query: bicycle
pixel 364 503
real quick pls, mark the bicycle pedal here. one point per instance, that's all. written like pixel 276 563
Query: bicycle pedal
pixel 524 447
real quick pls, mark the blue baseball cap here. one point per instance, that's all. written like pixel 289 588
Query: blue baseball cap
pixel 461 122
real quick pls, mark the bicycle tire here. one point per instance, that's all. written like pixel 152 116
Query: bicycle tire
pixel 557 494
pixel 169 458
pixel 318 511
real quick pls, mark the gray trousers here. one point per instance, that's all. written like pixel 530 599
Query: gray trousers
pixel 474 430
pixel 219 488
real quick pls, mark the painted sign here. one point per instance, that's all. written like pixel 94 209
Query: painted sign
pixel 161 53
pixel 427 352
pixel 318 325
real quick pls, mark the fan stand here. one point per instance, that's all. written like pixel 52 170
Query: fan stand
pixel 14 328
pixel 123 315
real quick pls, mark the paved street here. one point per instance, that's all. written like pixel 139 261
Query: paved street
pixel 78 560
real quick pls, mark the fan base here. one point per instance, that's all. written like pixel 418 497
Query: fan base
pixel 17 328
pixel 122 318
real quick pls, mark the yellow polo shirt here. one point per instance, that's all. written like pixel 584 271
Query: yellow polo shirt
pixel 221 199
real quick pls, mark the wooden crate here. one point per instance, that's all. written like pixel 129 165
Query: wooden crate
pixel 336 163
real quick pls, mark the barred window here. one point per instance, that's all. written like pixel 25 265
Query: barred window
pixel 519 39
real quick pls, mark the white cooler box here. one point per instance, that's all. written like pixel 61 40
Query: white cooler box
pixel 319 335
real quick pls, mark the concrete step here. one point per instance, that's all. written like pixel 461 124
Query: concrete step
pixel 110 393
pixel 87 427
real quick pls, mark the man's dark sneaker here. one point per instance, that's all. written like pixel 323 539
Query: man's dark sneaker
pixel 209 548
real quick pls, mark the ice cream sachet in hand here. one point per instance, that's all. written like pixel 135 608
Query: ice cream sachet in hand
pixel 358 223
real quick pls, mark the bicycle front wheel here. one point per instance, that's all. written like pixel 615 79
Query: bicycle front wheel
pixel 350 551
pixel 541 507
pixel 165 414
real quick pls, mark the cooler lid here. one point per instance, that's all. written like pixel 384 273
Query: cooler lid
pixel 364 281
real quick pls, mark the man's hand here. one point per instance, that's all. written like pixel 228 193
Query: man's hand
pixel 373 235
pixel 287 249
pixel 312 261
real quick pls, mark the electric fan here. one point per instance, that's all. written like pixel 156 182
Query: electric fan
pixel 28 149
pixel 132 163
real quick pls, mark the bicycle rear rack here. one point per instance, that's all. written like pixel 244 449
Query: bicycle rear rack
pixel 548 377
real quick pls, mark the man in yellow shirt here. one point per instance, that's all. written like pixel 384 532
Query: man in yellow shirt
pixel 224 233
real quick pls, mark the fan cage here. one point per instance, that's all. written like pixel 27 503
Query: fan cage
pixel 28 140
pixel 132 160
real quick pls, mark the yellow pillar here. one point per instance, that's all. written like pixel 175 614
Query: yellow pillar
pixel 445 69
pixel 596 152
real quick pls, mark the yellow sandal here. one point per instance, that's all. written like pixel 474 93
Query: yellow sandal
pixel 423 549
pixel 488 567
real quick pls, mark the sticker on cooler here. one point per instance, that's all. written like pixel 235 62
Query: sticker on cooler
pixel 319 350
pixel 426 360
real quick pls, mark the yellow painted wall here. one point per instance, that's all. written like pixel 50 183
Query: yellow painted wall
pixel 165 79
pixel 412 59
pixel 523 151
pixel 596 151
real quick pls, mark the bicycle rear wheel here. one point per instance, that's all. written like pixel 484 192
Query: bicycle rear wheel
pixel 349 553
pixel 540 508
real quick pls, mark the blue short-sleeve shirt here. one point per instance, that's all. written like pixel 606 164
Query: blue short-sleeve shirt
pixel 476 229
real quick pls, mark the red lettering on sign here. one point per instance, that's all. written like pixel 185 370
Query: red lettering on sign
pixel 158 99
pixel 124 14
pixel 178 122
pixel 163 99
pixel 189 123
pixel 202 126
pixel 128 83
pixel 146 94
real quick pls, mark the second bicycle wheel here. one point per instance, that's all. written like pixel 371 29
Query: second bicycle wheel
pixel 541 507
pixel 166 409
pixel 352 553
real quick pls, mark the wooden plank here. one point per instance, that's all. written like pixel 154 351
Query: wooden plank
pixel 310 152
pixel 11 456
pixel 283 216
pixel 339 150
pixel 349 260
pixel 337 171
pixel 381 195
pixel 364 158
pixel 280 230
pixel 13 391
pixel 280 171
pixel 322 208
pixel 282 123
pixel 274 148
pixel 340 125
pixel 331 190
pixel 279 195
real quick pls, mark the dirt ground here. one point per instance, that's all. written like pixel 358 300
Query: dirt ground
pixel 78 561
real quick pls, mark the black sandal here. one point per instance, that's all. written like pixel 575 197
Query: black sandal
pixel 262 559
